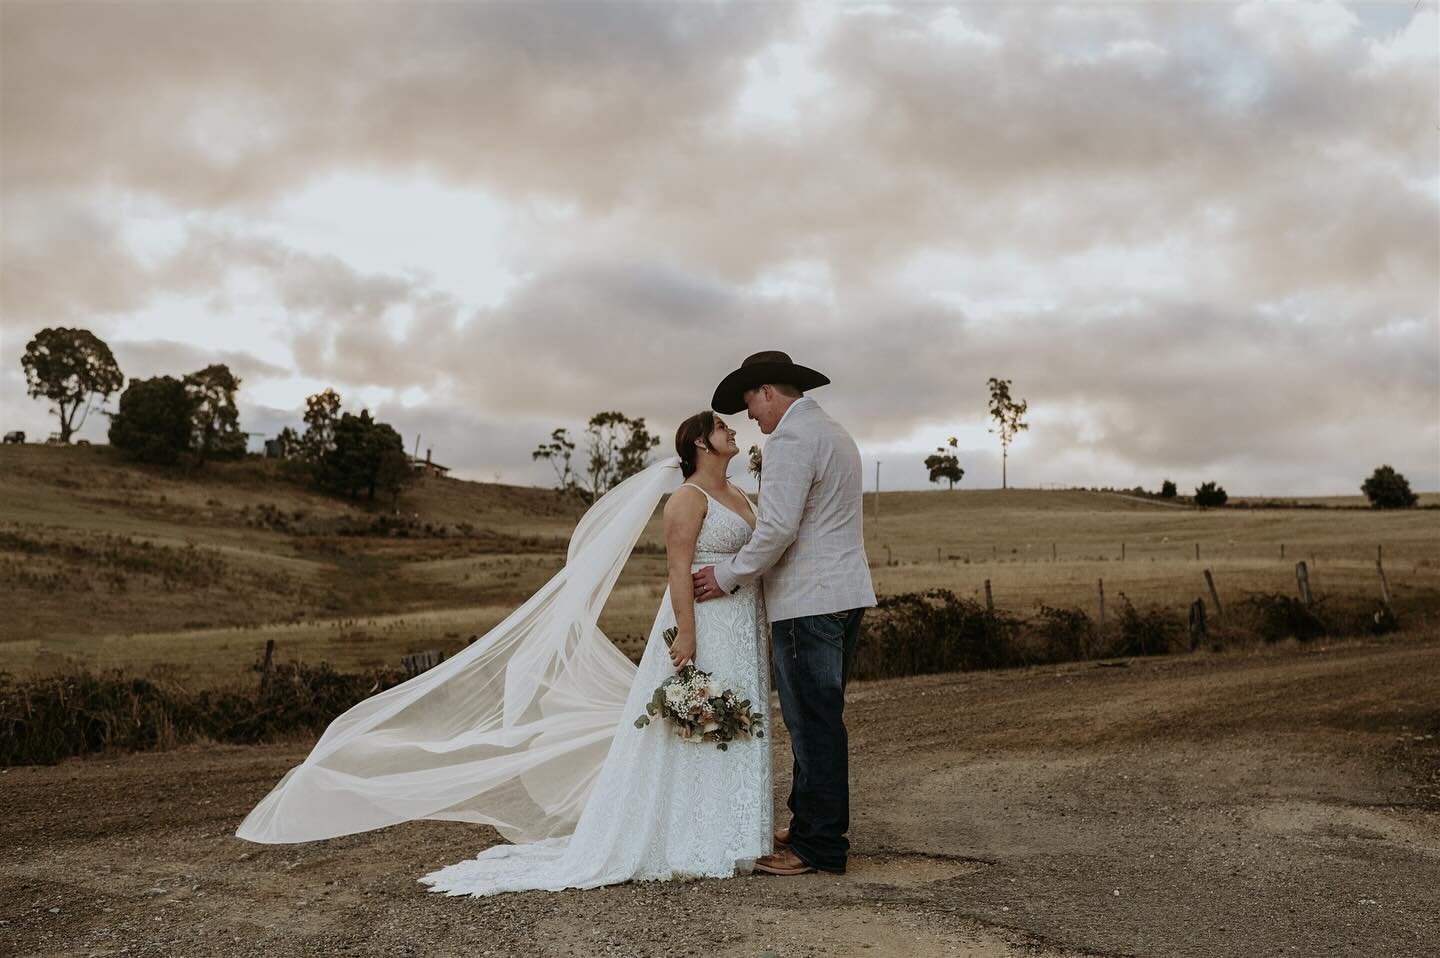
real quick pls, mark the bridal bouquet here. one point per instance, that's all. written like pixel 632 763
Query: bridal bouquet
pixel 700 713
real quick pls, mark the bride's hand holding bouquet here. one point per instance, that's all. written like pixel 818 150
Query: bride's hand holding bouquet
pixel 700 711
pixel 682 646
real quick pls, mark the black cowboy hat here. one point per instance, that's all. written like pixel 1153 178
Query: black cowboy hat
pixel 771 366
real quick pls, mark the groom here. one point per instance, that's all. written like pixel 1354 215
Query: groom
pixel 809 547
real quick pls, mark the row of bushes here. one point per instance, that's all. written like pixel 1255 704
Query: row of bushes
pixel 76 713
pixel 45 720
pixel 936 631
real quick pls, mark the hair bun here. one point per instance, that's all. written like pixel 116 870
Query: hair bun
pixel 697 428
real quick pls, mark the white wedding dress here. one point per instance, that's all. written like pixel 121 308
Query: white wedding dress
pixel 530 729
pixel 661 807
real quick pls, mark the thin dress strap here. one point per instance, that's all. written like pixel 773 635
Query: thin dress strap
pixel 749 503
pixel 693 486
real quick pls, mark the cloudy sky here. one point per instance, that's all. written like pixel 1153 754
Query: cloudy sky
pixel 1202 240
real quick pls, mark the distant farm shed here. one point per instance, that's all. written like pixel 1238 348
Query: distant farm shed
pixel 427 467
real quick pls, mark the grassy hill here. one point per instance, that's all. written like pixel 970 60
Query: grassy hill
pixel 111 564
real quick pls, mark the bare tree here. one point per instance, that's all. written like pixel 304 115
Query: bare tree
pixel 1007 414
pixel 619 447
pixel 558 452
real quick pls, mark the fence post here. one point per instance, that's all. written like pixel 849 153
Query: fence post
pixel 1384 586
pixel 1197 623
pixel 1101 587
pixel 1302 575
pixel 1282 550
pixel 1215 596
pixel 1053 555
pixel 267 667
pixel 989 599
pixel 1197 552
pixel 1122 552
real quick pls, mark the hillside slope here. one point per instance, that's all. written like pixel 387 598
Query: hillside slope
pixel 112 564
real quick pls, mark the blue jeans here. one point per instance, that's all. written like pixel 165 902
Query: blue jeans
pixel 813 655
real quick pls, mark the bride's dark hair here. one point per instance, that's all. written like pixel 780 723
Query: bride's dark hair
pixel 698 426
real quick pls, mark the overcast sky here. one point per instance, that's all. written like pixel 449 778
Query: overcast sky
pixel 1202 240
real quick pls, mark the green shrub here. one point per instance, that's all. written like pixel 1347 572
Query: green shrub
pixel 45 720
pixel 1068 634
pixel 1279 616
pixel 917 633
pixel 1147 633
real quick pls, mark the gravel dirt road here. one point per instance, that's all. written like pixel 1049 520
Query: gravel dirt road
pixel 1278 802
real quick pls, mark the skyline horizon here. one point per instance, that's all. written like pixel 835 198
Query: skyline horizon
pixel 93 432
pixel 1199 239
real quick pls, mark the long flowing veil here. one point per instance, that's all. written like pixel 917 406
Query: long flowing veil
pixel 511 732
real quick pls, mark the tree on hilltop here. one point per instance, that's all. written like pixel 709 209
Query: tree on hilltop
pixel 1388 489
pixel 945 465
pixel 1008 415
pixel 558 452
pixel 1209 494
pixel 155 420
pixel 289 442
pixel 214 418
pixel 365 456
pixel 618 447
pixel 322 415
pixel 70 367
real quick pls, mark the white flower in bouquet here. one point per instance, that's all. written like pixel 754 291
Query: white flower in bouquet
pixel 699 710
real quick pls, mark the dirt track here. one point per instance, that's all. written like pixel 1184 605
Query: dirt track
pixel 1284 802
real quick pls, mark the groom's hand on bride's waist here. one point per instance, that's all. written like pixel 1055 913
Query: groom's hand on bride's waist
pixel 706 587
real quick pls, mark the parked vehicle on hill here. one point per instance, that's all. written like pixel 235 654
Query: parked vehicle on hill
pixel 14 436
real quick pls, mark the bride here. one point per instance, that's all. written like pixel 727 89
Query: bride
pixel 531 728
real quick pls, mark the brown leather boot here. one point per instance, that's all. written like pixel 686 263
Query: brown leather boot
pixel 783 863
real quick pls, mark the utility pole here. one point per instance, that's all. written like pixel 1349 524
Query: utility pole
pixel 877 497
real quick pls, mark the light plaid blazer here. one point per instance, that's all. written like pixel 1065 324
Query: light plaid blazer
pixel 809 539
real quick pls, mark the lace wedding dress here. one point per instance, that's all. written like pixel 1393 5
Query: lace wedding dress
pixel 661 807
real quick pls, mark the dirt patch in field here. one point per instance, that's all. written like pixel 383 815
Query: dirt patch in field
pixel 1284 801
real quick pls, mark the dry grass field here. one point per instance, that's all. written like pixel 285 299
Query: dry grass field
pixel 111 565
pixel 1271 798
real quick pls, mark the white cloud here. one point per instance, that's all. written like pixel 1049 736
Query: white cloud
pixel 1166 222
pixel 1283 29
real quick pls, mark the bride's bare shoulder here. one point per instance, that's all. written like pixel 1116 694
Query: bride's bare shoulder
pixel 686 504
